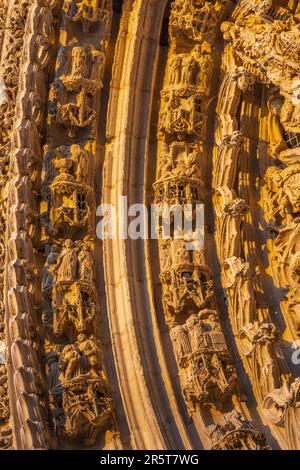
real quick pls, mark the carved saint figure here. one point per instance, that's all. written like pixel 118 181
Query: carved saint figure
pixel 48 269
pixel 67 262
pixel 86 264
pixel 189 71
pixel 180 340
pixel 176 67
pixel 81 157
pixel 79 62
pixel 70 362
pixel 90 348
pixel 195 329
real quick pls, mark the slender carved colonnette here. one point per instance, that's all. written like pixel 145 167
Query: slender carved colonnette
pixel 207 376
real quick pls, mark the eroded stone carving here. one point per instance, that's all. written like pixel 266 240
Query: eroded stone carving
pixel 68 190
pixel 270 48
pixel 89 12
pixel 206 374
pixel 235 432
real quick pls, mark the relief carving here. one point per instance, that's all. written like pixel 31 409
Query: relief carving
pixel 235 432
pixel 68 190
pixel 206 374
pixel 88 12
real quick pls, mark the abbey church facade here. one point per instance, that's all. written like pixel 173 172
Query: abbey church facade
pixel 120 342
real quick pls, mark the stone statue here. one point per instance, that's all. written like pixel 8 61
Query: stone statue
pixel 66 266
pixel 86 264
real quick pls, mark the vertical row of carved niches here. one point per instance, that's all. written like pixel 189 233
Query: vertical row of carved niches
pixel 79 395
pixel 12 26
pixel 257 337
pixel 207 377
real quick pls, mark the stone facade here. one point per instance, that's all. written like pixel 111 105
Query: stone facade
pixel 145 344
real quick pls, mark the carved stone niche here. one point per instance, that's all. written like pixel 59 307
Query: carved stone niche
pixel 67 188
pixel 88 408
pixel 186 284
pixel 70 297
pixel 80 399
pixel 180 160
pixel 178 190
pixel 191 72
pixel 235 432
pixel 84 69
pixel 206 376
pixel 71 97
pixel 89 12
pixel 195 20
pixel 74 110
pixel 182 114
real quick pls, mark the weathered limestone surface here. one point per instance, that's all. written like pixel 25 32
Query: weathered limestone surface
pixel 144 344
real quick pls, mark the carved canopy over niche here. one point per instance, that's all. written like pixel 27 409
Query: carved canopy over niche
pixel 144 344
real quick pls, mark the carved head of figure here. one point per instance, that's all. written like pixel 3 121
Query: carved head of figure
pixel 275 103
pixel 81 338
pixel 63 165
pixel 273 178
pixel 244 79
pixel 227 28
pixel 69 243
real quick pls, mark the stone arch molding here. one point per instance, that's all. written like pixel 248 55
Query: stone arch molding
pixel 184 330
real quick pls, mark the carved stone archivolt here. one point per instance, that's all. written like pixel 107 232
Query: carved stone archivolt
pixel 150 344
pixel 257 39
pixel 207 376
pixel 80 399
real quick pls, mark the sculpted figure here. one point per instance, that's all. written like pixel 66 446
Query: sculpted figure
pixel 266 355
pixel 165 255
pixel 238 278
pixel 64 166
pixel 81 157
pixel 86 264
pixel 261 7
pixel 79 62
pixel 261 347
pixel 230 228
pixel 180 340
pixel 67 263
pixel 176 67
pixel 166 166
pixel 48 269
pixel 277 142
pixel 70 362
pixel 195 329
pixel 90 348
pixel 189 71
